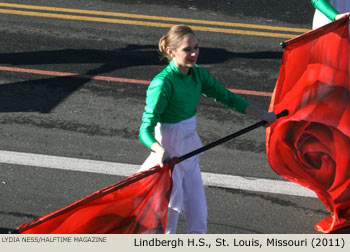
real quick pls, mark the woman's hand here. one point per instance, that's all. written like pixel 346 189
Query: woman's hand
pixel 161 154
pixel 341 15
pixel 269 117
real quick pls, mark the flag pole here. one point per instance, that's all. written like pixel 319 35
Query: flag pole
pixel 309 34
pixel 227 138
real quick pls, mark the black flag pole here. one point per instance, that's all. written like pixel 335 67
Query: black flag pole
pixel 227 138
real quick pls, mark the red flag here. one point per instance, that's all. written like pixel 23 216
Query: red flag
pixel 136 205
pixel 311 146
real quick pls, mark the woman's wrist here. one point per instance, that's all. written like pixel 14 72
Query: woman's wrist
pixel 156 147
pixel 254 111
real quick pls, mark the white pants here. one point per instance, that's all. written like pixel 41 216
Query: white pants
pixel 320 19
pixel 187 192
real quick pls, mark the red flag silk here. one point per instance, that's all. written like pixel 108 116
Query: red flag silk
pixel 136 205
pixel 311 146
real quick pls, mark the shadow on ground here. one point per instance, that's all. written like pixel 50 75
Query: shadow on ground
pixel 43 94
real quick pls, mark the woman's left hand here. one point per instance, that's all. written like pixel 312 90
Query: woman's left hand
pixel 269 117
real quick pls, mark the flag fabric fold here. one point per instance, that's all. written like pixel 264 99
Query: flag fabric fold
pixel 311 146
pixel 136 205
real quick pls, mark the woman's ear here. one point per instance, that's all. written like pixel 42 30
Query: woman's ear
pixel 170 52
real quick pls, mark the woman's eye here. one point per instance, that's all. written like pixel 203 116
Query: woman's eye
pixel 188 49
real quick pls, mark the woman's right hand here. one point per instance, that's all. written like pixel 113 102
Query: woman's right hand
pixel 341 15
pixel 161 154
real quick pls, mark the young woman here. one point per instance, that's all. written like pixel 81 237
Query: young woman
pixel 329 10
pixel 168 126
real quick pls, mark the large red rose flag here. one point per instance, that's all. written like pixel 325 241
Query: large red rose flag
pixel 136 205
pixel 311 146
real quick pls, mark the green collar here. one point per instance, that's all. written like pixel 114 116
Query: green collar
pixel 176 70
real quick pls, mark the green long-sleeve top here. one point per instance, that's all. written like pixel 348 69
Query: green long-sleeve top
pixel 326 8
pixel 173 96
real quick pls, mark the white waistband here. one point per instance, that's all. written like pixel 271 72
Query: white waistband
pixel 189 124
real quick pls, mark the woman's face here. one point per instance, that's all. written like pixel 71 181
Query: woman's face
pixel 186 54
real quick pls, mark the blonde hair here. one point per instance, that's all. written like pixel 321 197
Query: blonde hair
pixel 173 38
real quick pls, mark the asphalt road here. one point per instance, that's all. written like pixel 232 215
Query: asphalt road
pixel 86 118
